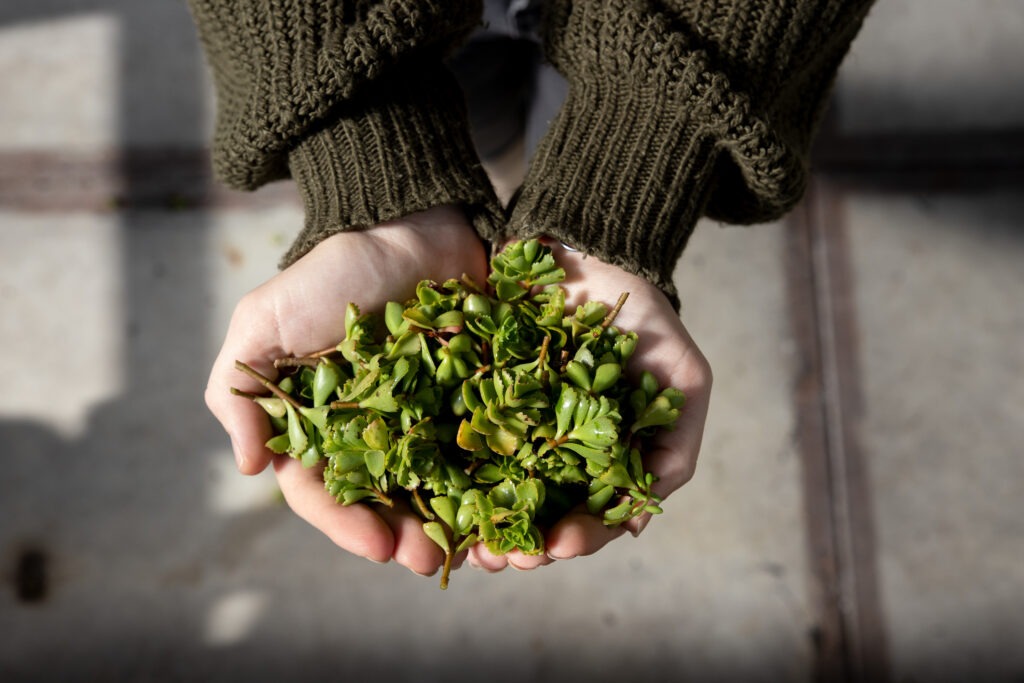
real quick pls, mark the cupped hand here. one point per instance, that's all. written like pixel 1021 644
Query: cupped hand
pixel 301 311
pixel 665 349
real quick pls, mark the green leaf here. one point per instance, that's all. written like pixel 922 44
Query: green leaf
pixel 599 498
pixel 619 513
pixel 480 422
pixel 488 473
pixel 600 432
pixel 382 401
pixel 376 435
pixel 605 376
pixel 549 278
pixel 351 317
pixel 296 434
pixel 531 492
pixel 596 457
pixel 508 290
pixel 279 444
pixel 435 532
pixel 565 409
pixel 649 384
pixel 476 305
pixel 408 344
pixel 445 507
pixel 503 495
pixel 616 475
pixel 375 463
pixel 448 319
pixel 658 413
pixel 419 318
pixel 325 381
pixel 467 542
pixel 578 375
pixel 465 517
pixel 503 442
pixel 273 405
pixel 310 457
pixel 355 495
pixel 530 249
pixel 468 439
pixel 316 416
pixel 393 317
pixel 344 462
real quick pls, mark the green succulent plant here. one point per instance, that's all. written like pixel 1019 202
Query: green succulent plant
pixel 492 409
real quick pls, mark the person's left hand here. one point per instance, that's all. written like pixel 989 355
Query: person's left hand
pixel 666 350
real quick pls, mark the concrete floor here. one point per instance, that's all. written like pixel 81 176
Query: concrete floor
pixel 130 549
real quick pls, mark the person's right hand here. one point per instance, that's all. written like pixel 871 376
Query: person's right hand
pixel 301 311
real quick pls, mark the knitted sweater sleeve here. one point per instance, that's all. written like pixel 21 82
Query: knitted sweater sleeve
pixel 351 99
pixel 677 109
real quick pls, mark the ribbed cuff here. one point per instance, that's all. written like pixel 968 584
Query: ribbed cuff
pixel 623 175
pixel 405 148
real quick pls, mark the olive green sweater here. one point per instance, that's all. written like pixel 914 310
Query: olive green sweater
pixel 676 109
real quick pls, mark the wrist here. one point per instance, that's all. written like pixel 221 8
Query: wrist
pixel 406 148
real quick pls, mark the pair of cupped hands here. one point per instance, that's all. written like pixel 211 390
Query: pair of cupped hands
pixel 291 314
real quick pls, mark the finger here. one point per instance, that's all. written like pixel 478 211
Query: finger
pixel 460 559
pixel 523 562
pixel 578 534
pixel 672 456
pixel 482 558
pixel 245 422
pixel 356 528
pixel 413 549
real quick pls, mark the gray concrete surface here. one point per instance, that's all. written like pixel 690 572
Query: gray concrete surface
pixel 927 65
pixel 939 291
pixel 162 563
pixel 165 563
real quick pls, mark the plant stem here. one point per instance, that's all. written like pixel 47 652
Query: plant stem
pixel 542 359
pixel 421 506
pixel 292 362
pixel 382 497
pixel 471 284
pixel 606 323
pixel 343 405
pixel 268 383
pixel 245 394
pixel 447 569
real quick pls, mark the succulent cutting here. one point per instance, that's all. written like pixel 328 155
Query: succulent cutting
pixel 491 408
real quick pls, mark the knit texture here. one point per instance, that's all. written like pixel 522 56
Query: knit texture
pixel 394 154
pixel 349 98
pixel 677 110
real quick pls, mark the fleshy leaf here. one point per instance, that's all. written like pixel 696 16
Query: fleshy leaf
pixel 435 532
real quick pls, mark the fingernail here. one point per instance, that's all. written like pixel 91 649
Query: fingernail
pixel 640 525
pixel 239 460
pixel 555 556
pixel 377 561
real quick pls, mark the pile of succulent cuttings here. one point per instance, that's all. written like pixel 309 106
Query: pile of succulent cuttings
pixel 491 409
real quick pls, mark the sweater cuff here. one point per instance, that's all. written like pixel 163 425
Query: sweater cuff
pixel 405 148
pixel 623 174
